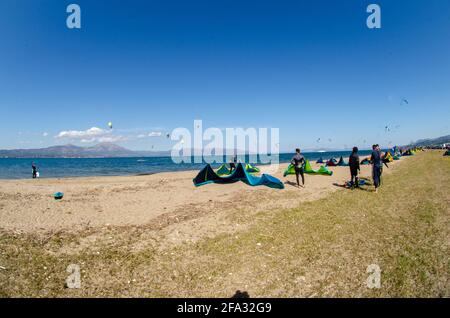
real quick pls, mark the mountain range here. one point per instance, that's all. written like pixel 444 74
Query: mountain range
pixel 102 150
pixel 433 141
pixel 110 150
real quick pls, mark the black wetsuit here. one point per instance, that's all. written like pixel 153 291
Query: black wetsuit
pixel 377 166
pixel 353 162
pixel 298 161
pixel 34 169
pixel 233 164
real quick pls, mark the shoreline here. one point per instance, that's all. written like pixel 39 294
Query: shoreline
pixel 128 166
pixel 148 200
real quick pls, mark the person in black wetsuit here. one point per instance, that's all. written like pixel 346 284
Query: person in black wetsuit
pixel 34 170
pixel 377 166
pixel 233 164
pixel 353 162
pixel 298 161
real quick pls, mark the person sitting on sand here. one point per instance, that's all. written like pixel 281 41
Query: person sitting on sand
pixel 353 162
pixel 34 170
pixel 377 166
pixel 298 161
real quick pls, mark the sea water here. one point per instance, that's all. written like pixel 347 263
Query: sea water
pixel 20 168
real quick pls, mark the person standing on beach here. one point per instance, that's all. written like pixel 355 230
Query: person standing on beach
pixel 233 164
pixel 298 161
pixel 34 170
pixel 377 165
pixel 353 162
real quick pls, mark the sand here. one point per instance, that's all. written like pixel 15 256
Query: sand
pixel 156 201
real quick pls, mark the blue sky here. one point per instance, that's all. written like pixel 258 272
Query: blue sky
pixel 310 68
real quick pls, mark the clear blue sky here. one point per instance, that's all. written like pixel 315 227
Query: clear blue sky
pixel 311 68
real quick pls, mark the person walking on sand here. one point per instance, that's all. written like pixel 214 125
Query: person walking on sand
pixel 377 165
pixel 353 162
pixel 298 161
pixel 34 170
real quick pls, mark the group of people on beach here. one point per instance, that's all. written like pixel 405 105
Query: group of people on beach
pixel 376 159
pixel 299 162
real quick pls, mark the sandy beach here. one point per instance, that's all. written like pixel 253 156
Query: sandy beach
pixel 109 118
pixel 156 201
pixel 159 236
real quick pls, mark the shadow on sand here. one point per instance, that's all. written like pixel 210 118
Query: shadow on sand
pixel 363 187
pixel 293 184
pixel 240 294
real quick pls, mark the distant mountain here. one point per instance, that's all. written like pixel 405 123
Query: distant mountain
pixel 101 150
pixel 439 141
pixel 324 149
pixel 110 150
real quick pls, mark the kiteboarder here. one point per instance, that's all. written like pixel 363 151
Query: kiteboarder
pixel 377 165
pixel 34 170
pixel 353 162
pixel 298 161
pixel 233 164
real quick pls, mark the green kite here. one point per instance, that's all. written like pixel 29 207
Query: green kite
pixel 309 170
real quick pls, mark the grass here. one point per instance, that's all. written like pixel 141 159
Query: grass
pixel 321 248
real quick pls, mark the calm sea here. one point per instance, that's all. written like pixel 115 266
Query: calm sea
pixel 20 168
